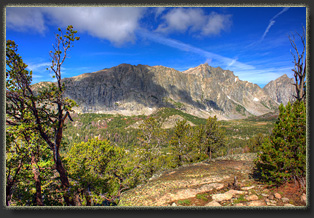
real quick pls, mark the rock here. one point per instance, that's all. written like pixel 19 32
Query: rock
pixel 271 197
pixel 173 204
pixel 235 192
pixel 271 202
pixel 239 205
pixel 189 192
pixel 303 198
pixel 248 188
pixel 256 203
pixel 252 198
pixel 213 203
pixel 227 195
pixel 222 197
pixel 285 200
pixel 288 205
pixel 277 195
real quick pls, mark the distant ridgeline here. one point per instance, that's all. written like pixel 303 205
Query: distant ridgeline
pixel 201 91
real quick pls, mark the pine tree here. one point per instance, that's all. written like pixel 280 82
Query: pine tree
pixel 214 136
pixel 283 156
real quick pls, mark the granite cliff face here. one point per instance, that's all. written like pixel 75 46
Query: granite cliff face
pixel 141 89
pixel 281 90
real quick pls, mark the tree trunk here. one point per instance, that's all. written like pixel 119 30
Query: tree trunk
pixel 10 182
pixel 8 193
pixel 37 179
pixel 75 200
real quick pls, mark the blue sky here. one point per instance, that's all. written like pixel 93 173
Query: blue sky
pixel 250 41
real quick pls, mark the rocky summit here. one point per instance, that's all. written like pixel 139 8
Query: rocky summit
pixel 281 90
pixel 202 91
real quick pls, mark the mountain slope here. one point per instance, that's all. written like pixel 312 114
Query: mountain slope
pixel 141 89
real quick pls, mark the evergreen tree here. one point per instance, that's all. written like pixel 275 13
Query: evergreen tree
pixel 179 144
pixel 283 155
pixel 214 136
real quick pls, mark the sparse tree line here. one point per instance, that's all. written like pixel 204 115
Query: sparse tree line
pixel 96 172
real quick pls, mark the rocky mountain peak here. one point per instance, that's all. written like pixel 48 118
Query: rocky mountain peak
pixel 281 89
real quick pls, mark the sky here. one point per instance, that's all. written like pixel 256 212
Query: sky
pixel 250 41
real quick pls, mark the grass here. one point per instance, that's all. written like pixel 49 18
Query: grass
pixel 202 197
pixel 240 199
pixel 184 202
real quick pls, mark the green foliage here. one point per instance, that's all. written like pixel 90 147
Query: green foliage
pixel 283 156
pixel 95 167
pixel 240 109
pixel 180 143
pixel 203 196
pixel 254 144
pixel 214 138
pixel 37 117
pixel 185 202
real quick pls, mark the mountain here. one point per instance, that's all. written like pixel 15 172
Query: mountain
pixel 281 90
pixel 142 89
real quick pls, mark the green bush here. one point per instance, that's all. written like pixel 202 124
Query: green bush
pixel 283 156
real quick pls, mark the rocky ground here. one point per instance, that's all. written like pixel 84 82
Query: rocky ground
pixel 226 181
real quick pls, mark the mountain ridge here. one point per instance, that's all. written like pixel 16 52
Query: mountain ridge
pixel 141 89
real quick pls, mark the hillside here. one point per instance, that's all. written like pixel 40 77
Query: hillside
pixel 212 184
pixel 123 130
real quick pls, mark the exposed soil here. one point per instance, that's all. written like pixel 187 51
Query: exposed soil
pixel 212 184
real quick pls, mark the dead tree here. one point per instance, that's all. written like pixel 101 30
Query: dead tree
pixel 299 65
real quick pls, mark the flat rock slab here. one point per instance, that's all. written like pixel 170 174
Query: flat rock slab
pixel 186 182
pixel 247 188
pixel 227 195
pixel 256 203
pixel 188 193
pixel 213 203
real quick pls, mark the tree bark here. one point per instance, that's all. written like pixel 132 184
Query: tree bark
pixel 37 179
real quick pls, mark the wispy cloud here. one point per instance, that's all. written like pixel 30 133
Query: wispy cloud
pixel 270 24
pixel 215 58
pixel 39 66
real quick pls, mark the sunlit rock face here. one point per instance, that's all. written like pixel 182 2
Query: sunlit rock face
pixel 202 91
pixel 281 90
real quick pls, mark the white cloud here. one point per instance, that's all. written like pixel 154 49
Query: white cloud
pixel 24 19
pixel 116 24
pixel 158 11
pixel 216 23
pixel 194 19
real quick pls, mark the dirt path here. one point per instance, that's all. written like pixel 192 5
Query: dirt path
pixel 208 184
